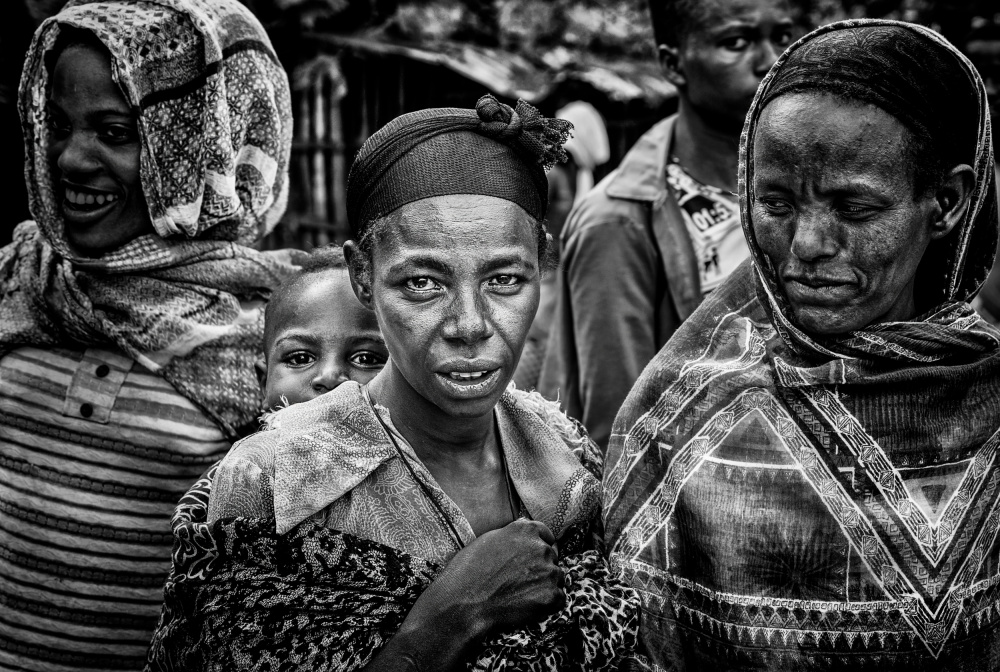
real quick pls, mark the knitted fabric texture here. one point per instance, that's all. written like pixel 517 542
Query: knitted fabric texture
pixel 214 119
pixel 493 150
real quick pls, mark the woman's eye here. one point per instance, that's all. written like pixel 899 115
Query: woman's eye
pixel 855 211
pixel 505 280
pixel 367 359
pixel 783 38
pixel 58 127
pixel 119 133
pixel 774 207
pixel 421 285
pixel 299 359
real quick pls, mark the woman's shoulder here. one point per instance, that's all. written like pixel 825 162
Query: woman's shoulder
pixel 244 482
pixel 569 430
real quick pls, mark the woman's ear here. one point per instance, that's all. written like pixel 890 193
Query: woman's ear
pixel 670 61
pixel 953 198
pixel 359 268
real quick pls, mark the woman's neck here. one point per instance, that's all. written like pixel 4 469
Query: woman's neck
pixel 433 434
pixel 708 154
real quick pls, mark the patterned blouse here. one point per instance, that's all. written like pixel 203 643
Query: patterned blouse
pixel 346 474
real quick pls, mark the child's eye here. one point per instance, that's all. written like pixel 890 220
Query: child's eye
pixel 299 359
pixel 422 284
pixel 735 43
pixel 367 359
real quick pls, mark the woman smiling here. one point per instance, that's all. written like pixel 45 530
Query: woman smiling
pixel 807 475
pixel 130 308
pixel 433 519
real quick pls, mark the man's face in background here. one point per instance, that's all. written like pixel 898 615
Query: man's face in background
pixel 727 48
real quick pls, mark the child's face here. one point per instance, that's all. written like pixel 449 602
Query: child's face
pixel 322 337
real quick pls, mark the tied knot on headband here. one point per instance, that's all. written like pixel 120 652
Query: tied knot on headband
pixel 525 128
pixel 492 150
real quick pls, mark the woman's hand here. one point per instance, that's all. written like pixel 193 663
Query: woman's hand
pixel 504 579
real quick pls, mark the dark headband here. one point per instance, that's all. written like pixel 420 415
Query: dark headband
pixel 493 150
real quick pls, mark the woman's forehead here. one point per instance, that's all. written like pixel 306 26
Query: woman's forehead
pixel 814 122
pixel 82 73
pixel 449 227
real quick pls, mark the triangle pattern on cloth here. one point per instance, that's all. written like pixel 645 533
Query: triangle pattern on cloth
pixel 968 518
pixel 927 544
pixel 933 488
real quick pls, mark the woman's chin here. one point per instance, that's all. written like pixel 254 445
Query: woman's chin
pixel 823 321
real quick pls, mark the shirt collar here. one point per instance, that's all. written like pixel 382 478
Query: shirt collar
pixel 641 176
pixel 331 444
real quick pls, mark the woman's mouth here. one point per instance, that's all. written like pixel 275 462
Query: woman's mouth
pixel 813 290
pixel 465 377
pixel 470 384
pixel 85 206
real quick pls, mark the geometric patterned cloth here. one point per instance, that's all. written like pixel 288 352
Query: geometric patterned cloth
pixel 214 117
pixel 783 503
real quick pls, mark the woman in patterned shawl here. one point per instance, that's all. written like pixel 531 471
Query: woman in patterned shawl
pixel 157 136
pixel 806 476
pixel 434 519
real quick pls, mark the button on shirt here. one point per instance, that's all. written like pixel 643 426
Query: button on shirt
pixel 95 451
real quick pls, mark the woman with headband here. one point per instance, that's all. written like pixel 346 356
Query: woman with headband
pixel 434 519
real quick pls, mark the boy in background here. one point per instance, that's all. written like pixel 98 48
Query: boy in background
pixel 662 230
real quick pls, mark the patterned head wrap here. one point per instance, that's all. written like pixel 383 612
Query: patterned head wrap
pixel 214 118
pixel 493 150
pixel 921 79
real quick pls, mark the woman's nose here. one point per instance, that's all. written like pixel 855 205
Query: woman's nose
pixel 76 155
pixel 468 320
pixel 813 238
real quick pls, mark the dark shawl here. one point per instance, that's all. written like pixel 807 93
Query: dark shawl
pixel 786 503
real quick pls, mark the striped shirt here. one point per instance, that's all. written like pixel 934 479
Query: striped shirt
pixel 94 453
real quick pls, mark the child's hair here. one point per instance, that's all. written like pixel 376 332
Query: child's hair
pixel 319 260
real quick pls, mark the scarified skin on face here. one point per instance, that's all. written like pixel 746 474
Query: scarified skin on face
pixel 836 211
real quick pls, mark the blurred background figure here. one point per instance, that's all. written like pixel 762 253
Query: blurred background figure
pixel 642 248
pixel 569 182
pixel 588 148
